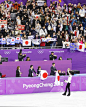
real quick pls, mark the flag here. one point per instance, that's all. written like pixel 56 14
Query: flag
pixel 57 79
pixel 12 41
pixel 21 27
pixel 44 39
pixel 81 47
pixel 51 39
pixel 44 75
pixel 18 40
pixel 3 41
pixel 36 16
pixel 73 46
pixel 60 1
pixel 36 41
pixel 3 24
pixel 66 44
pixel 75 33
pixel 7 5
pixel 27 42
pixel 48 39
pixel 31 37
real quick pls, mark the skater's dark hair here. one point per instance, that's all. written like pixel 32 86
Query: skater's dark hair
pixel 53 63
pixel 31 66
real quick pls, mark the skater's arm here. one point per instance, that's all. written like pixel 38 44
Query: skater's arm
pixel 69 79
pixel 65 81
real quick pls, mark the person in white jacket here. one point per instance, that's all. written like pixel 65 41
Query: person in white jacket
pixel 68 83
pixel 38 27
pixel 82 14
pixel 43 31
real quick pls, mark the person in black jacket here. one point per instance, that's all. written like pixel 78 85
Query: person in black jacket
pixel 53 69
pixel 60 58
pixel 31 70
pixel 28 59
pixel 20 56
pixel 38 70
pixel 59 41
pixel 18 73
pixel 52 56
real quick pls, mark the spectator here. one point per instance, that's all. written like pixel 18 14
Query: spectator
pixel 43 31
pixel 16 5
pixel 48 43
pixel 28 59
pixel 81 41
pixel 54 36
pixel 67 22
pixel 82 14
pixel 59 41
pixel 42 43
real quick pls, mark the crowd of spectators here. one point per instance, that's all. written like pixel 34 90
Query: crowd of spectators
pixel 66 23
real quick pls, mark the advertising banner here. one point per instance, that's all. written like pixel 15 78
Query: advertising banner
pixel 35 85
pixel 2 86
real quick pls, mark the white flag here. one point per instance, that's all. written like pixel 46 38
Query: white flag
pixel 43 74
pixel 36 41
pixel 31 37
pixel 57 79
pixel 66 44
pixel 27 42
pixel 81 47
pixel 51 39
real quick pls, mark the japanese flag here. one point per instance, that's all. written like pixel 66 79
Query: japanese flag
pixel 17 38
pixel 57 79
pixel 44 75
pixel 27 42
pixel 3 39
pixel 12 41
pixel 81 47
pixel 7 5
pixel 36 16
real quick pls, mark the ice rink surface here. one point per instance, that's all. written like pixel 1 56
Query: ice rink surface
pixel 55 99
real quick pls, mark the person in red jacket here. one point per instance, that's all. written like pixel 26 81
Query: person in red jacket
pixel 16 5
pixel 42 43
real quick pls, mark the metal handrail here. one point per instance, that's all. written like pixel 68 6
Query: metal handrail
pixel 46 47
